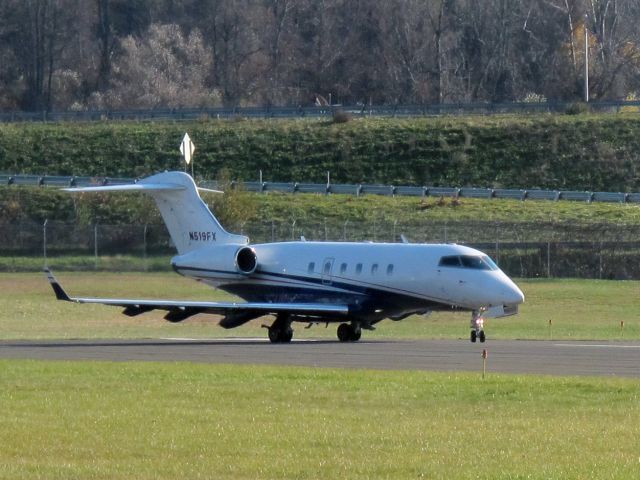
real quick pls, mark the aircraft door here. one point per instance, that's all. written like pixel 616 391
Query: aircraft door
pixel 327 267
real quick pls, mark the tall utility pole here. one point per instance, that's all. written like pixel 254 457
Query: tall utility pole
pixel 586 60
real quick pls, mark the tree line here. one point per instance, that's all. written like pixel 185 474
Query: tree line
pixel 113 54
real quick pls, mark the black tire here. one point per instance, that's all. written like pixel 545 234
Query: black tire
pixel 286 335
pixel 345 332
pixel 482 336
pixel 474 335
pixel 274 335
pixel 357 334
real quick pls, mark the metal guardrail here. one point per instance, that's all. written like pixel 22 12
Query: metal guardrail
pixel 477 108
pixel 60 181
pixel 349 189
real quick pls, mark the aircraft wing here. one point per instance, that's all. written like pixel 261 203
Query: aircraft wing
pixel 182 309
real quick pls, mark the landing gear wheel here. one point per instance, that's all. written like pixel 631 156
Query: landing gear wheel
pixel 344 332
pixel 477 326
pixel 277 335
pixel 357 334
pixel 280 331
pixel 274 335
pixel 286 335
pixel 349 333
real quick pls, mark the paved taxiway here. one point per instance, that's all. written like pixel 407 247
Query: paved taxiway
pixel 539 357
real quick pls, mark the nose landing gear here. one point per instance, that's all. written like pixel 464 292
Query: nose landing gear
pixel 477 327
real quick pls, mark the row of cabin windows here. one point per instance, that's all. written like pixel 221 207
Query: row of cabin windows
pixel 343 268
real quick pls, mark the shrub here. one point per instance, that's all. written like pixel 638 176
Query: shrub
pixel 578 108
pixel 340 116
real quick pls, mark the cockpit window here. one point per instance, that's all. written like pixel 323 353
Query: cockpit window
pixel 451 261
pixel 468 261
pixel 490 262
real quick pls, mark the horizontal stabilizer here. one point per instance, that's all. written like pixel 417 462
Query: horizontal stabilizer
pixel 182 209
pixel 136 187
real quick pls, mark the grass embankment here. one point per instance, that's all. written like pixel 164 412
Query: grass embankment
pixel 410 210
pixel 136 420
pixel 578 309
pixel 591 152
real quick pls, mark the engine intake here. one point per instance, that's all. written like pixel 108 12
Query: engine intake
pixel 246 260
pixel 230 261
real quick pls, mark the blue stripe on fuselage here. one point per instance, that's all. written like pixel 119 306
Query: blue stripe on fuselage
pixel 363 294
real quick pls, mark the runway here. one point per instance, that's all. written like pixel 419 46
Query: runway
pixel 533 357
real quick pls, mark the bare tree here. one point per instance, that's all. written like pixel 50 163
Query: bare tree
pixel 36 32
pixel 64 53
pixel 276 33
pixel 616 43
pixel 162 69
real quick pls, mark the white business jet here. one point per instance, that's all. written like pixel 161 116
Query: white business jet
pixel 354 284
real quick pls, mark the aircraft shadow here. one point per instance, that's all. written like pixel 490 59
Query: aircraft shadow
pixel 179 343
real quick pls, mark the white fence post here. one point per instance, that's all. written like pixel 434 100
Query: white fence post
pixel 44 240
pixel 95 245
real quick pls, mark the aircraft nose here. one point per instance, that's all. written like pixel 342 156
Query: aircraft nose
pixel 513 295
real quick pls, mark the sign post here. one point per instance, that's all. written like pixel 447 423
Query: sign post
pixel 484 362
pixel 186 149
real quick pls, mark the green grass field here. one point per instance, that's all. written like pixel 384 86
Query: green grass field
pixel 91 420
pixel 577 309
pixel 101 420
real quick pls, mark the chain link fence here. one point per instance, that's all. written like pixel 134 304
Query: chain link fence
pixel 606 251
pixel 267 112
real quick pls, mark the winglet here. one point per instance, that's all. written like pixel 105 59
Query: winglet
pixel 57 288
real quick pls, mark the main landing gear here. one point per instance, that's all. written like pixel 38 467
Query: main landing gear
pixel 349 332
pixel 477 327
pixel 280 330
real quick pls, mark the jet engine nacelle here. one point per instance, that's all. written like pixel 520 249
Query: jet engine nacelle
pixel 239 260
pixel 246 260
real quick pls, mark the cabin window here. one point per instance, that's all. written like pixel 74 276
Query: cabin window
pixel 390 269
pixel 312 267
pixel 343 268
pixel 327 268
pixel 358 269
pixel 374 269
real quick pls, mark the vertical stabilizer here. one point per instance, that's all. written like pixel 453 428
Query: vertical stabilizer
pixel 188 219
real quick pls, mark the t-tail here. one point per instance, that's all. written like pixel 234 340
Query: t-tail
pixel 188 219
